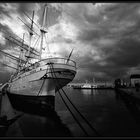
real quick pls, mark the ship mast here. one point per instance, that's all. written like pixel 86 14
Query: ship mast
pixel 21 51
pixel 42 30
pixel 31 34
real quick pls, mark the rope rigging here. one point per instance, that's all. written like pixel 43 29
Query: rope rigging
pixel 41 87
pixel 93 129
pixel 42 84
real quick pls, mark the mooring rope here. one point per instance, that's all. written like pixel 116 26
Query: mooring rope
pixel 81 115
pixel 75 107
pixel 73 115
pixel 69 108
pixel 41 87
pixel 42 84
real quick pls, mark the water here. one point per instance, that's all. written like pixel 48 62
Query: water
pixel 105 110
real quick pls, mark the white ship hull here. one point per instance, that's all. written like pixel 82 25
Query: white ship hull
pixel 40 85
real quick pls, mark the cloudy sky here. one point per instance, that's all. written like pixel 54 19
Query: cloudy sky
pixel 105 36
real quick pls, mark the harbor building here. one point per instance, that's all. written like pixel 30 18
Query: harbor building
pixel 135 80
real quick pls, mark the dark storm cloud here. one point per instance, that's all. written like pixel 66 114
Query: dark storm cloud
pixel 6 9
pixel 117 22
pixel 114 33
pixel 106 72
pixel 6 31
pixel 122 11
pixel 115 13
pixel 51 15
pixel 126 53
pixel 118 61
pixel 3 10
pixel 89 35
pixel 27 8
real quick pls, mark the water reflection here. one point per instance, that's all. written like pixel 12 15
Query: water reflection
pixel 98 106
pixel 132 103
pixel 89 91
pixel 37 120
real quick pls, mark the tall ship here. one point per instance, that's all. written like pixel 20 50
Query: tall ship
pixel 36 79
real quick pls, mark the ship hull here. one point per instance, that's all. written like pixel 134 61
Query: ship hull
pixel 32 104
pixel 38 89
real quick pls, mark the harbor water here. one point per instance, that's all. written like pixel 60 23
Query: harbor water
pixel 108 113
pixel 105 109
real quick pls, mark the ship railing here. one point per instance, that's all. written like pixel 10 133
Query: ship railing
pixel 56 60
